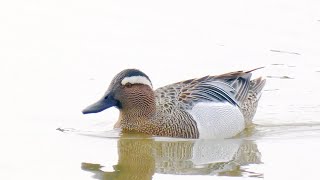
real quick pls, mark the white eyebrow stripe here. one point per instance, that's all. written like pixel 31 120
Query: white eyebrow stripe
pixel 136 80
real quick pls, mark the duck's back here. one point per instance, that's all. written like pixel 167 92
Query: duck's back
pixel 219 106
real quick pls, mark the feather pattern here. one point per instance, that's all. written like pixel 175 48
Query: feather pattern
pixel 209 107
pixel 234 88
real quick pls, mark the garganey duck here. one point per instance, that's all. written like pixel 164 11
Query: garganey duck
pixel 209 107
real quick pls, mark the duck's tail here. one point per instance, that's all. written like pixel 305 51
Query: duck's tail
pixel 257 85
pixel 249 106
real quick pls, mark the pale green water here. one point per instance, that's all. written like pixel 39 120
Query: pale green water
pixel 283 144
pixel 57 57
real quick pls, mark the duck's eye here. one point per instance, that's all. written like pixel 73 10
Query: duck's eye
pixel 128 85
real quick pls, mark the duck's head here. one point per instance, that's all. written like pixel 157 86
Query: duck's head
pixel 128 88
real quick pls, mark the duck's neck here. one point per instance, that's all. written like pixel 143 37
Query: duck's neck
pixel 136 114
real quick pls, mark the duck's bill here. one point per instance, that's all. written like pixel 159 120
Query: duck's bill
pixel 101 105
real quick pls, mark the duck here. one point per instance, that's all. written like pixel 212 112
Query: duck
pixel 219 106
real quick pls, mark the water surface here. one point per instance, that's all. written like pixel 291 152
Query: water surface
pixel 58 57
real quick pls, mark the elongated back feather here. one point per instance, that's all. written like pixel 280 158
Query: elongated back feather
pixel 232 87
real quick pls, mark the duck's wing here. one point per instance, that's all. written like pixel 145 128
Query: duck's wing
pixel 240 81
pixel 231 87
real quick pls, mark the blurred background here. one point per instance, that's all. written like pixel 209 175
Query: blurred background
pixel 57 57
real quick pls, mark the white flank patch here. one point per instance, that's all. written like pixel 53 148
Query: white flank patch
pixel 217 120
pixel 136 80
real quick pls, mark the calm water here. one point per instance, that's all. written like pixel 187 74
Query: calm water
pixel 58 57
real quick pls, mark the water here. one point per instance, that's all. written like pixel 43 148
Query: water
pixel 58 57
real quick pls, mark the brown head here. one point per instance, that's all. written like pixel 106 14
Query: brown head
pixel 131 92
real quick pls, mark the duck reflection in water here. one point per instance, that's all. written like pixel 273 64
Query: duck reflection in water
pixel 142 157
